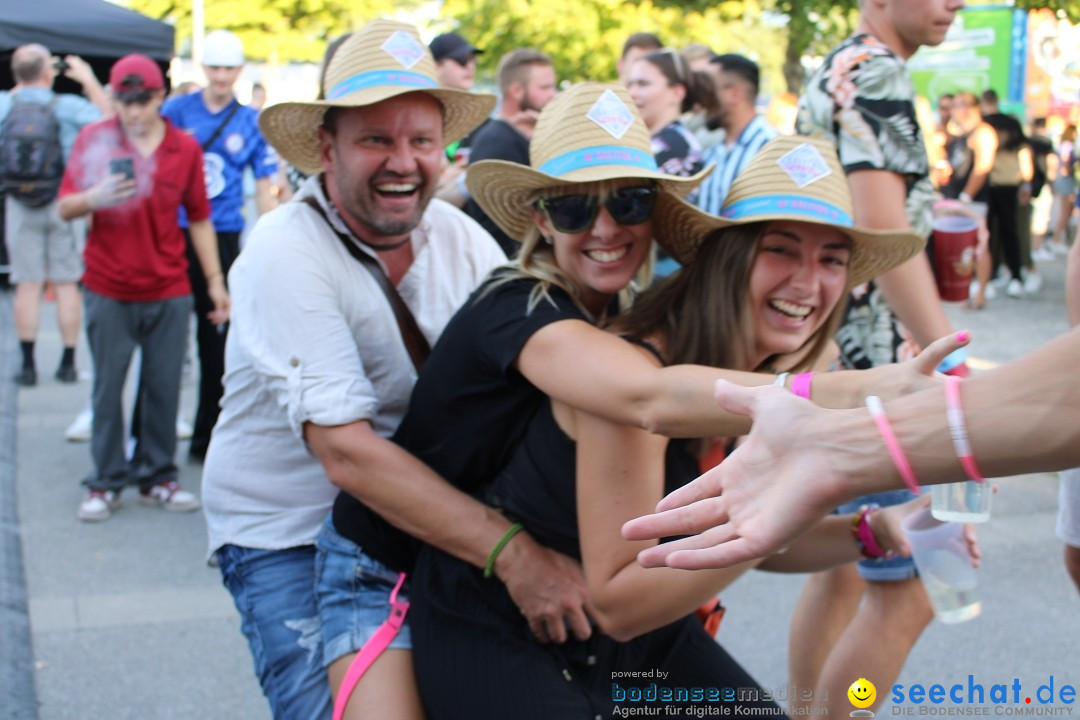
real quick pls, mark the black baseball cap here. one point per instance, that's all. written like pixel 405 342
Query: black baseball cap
pixel 452 45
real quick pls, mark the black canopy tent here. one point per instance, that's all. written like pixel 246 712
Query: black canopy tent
pixel 95 30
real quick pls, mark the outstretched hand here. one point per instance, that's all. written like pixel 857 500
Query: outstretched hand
pixel 766 493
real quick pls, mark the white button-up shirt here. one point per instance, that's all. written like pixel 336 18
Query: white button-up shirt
pixel 313 339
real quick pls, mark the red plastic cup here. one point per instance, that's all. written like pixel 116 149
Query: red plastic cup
pixel 955 238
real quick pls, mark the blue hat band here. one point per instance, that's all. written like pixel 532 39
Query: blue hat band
pixel 598 155
pixel 378 78
pixel 812 210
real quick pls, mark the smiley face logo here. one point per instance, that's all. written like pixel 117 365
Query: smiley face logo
pixel 862 693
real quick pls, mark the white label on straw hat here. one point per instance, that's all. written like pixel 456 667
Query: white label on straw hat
pixel 611 113
pixel 804 165
pixel 403 47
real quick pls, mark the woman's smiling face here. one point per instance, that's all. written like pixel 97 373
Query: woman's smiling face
pixel 798 276
pixel 603 258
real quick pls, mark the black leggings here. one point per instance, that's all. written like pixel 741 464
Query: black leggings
pixel 1002 215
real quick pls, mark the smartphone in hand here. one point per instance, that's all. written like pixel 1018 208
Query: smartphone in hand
pixel 123 166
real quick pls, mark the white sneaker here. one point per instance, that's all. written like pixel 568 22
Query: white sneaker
pixel 82 429
pixel 184 430
pixel 1032 283
pixel 1043 254
pixel 1057 248
pixel 98 505
pixel 169 496
pixel 1014 289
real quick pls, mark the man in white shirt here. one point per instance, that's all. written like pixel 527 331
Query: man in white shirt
pixel 318 374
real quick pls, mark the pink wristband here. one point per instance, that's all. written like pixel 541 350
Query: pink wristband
pixel 958 429
pixel 877 412
pixel 800 385
pixel 864 534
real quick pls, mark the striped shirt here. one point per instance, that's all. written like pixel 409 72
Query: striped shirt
pixel 730 161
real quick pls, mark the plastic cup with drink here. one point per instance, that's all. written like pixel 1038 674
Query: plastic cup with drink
pixel 967 501
pixel 955 239
pixel 941 555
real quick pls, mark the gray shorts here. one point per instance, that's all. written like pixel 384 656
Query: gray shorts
pixel 41 246
pixel 1068 520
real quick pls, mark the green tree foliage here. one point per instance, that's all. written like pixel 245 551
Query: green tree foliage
pixel 585 37
pixel 1064 8
pixel 809 27
pixel 273 30
pixel 813 26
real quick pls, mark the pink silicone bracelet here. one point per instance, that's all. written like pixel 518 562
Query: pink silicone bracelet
pixel 877 411
pixel 954 411
pixel 800 384
pixel 866 534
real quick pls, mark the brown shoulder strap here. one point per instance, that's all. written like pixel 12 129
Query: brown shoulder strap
pixel 415 342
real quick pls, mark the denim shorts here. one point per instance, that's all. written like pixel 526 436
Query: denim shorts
pixel 353 590
pixel 883 569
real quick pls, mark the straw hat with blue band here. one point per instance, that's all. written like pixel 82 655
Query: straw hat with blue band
pixel 793 178
pixel 381 60
pixel 591 132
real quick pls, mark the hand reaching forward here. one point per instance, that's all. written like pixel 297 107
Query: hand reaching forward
pixel 770 490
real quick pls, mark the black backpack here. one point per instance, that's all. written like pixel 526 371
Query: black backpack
pixel 31 157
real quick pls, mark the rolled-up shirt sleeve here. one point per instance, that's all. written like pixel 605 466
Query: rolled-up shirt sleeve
pixel 290 321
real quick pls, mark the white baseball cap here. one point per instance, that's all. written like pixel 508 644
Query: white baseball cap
pixel 222 49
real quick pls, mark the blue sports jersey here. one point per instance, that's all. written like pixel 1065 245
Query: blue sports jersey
pixel 239 144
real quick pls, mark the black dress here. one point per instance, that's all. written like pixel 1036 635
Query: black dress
pixel 476 658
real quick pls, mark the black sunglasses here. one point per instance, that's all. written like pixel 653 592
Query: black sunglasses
pixel 576 213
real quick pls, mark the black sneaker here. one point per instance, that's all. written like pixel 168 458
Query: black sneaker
pixel 27 377
pixel 67 374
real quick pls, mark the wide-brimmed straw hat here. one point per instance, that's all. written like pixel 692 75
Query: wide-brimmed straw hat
pixel 381 60
pixel 591 132
pixel 793 178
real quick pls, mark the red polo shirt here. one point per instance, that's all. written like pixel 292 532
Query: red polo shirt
pixel 136 251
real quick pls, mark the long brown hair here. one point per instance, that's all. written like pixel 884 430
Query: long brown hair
pixel 702 313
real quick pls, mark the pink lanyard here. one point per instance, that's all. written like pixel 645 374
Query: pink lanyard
pixel 373 648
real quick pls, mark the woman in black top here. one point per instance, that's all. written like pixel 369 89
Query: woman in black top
pixel 760 294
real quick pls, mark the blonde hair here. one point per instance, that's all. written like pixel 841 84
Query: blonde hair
pixel 536 258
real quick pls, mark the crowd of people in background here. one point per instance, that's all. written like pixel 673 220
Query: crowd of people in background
pixel 457 340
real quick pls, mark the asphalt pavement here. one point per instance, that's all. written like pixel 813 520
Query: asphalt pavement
pixel 123 619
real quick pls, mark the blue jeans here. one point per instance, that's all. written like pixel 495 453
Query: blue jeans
pixel 274 591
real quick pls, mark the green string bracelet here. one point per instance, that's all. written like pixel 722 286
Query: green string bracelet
pixel 489 569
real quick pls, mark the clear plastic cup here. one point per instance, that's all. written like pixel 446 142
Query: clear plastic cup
pixel 941 555
pixel 966 502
